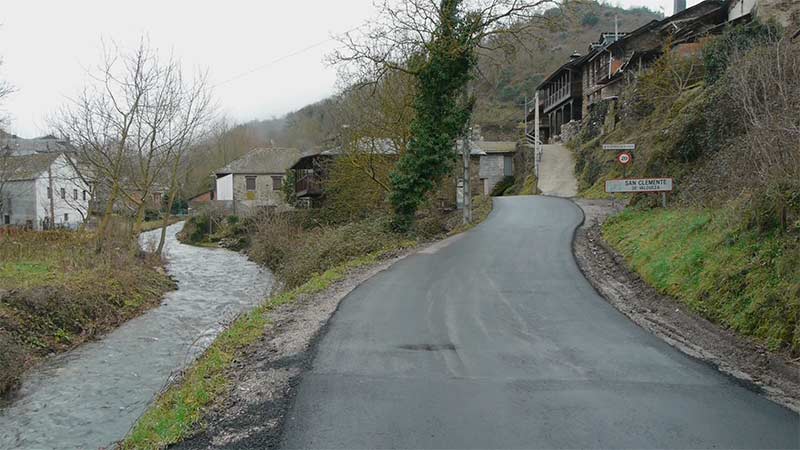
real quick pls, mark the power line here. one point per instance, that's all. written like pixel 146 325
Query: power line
pixel 285 57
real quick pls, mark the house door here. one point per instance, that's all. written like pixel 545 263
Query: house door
pixel 508 166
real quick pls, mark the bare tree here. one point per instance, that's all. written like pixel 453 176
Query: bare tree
pixel 405 30
pixel 5 153
pixel 129 122
pixel 189 125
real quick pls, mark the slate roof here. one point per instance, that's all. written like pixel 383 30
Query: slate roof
pixel 263 161
pixel 496 146
pixel 45 144
pixel 26 167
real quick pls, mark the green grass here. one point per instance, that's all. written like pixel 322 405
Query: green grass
pixel 60 292
pixel 25 274
pixel 746 281
pixel 179 411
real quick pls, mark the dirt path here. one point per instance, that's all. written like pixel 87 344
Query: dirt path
pixel 773 374
pixel 556 173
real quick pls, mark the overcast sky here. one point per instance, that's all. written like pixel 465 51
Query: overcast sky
pixel 46 47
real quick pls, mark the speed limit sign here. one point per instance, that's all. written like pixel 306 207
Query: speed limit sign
pixel 624 158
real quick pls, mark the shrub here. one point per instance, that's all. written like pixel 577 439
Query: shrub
pixel 590 19
pixel 501 187
pixel 735 40
pixel 295 254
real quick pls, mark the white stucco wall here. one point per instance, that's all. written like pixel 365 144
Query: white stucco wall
pixel 225 187
pixel 739 8
pixel 64 176
pixel 29 198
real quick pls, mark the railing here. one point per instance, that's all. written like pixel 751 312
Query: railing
pixel 308 185
pixel 557 96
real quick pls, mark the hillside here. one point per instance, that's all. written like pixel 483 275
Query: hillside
pixel 723 124
pixel 506 77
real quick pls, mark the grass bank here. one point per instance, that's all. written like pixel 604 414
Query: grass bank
pixel 745 280
pixel 56 292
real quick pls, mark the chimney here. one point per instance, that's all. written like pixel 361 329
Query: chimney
pixel 574 56
pixel 680 5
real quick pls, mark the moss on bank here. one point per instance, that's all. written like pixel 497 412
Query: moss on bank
pixel 744 280
pixel 56 292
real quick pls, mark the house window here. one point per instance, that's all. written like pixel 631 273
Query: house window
pixel 277 183
pixel 250 183
pixel 49 192
pixel 66 218
pixel 84 195
pixel 74 194
pixel 6 220
pixel 63 194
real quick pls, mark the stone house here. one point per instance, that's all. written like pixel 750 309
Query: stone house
pixel 495 163
pixel 41 191
pixel 255 180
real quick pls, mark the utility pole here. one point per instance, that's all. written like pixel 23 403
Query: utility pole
pixel 537 150
pixel 465 185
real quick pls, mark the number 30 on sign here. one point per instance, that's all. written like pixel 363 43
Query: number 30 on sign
pixel 624 158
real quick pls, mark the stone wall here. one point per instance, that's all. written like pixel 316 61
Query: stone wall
pixel 570 131
pixel 264 195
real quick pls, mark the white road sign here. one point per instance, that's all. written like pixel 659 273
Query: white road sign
pixel 619 146
pixel 639 185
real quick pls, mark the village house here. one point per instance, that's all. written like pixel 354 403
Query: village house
pixel 311 170
pixel 490 163
pixel 560 95
pixel 495 162
pixel 572 90
pixel 41 191
pixel 255 180
pixel 201 199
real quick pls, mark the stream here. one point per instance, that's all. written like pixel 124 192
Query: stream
pixel 90 397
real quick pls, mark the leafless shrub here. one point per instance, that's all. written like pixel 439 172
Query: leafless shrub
pixel 767 82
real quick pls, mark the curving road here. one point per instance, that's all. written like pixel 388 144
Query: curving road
pixel 497 341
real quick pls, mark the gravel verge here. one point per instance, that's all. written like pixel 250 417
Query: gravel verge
pixel 774 374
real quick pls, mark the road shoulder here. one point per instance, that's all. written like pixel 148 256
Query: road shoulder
pixel 774 374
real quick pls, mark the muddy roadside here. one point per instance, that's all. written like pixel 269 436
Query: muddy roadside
pixel 265 376
pixel 775 374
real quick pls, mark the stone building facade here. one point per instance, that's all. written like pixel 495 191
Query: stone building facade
pixel 255 181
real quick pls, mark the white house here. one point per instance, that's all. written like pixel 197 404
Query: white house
pixel 42 190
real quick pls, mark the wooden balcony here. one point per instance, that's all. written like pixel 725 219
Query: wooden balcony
pixel 308 186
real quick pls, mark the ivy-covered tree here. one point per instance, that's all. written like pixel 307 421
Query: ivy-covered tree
pixel 442 110
pixel 435 42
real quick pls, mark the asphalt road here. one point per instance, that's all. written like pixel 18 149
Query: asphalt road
pixel 497 341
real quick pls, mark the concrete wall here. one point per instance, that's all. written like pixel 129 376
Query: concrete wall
pixel 739 8
pixel 19 203
pixel 493 168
